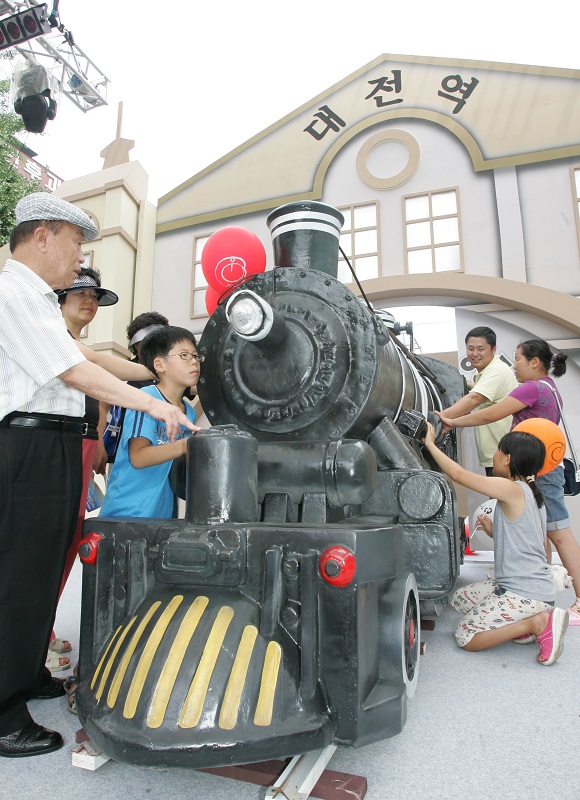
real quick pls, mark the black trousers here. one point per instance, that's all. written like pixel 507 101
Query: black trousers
pixel 40 486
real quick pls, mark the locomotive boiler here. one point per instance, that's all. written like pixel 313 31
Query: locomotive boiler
pixel 282 614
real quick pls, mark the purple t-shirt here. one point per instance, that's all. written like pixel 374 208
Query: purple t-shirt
pixel 539 399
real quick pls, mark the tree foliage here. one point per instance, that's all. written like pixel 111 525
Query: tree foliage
pixel 13 185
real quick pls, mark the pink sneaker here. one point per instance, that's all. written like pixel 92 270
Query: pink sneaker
pixel 551 640
pixel 527 638
pixel 574 615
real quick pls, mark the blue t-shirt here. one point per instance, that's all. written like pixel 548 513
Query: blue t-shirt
pixel 142 492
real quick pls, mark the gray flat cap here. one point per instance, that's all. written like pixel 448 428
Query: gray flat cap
pixel 41 205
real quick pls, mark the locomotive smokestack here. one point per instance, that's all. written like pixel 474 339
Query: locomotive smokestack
pixel 306 235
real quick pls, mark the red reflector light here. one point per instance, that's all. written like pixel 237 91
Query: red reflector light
pixel 89 547
pixel 337 565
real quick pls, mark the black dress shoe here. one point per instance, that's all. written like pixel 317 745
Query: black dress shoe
pixel 33 740
pixel 52 688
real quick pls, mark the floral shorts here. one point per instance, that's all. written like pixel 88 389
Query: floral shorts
pixel 485 611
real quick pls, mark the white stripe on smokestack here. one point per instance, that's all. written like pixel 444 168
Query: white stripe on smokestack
pixel 305 226
pixel 324 221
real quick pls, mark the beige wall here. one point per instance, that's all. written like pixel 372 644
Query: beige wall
pixel 123 253
pixel 116 198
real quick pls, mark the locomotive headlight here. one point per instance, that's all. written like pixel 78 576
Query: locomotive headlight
pixel 254 319
pixel 249 315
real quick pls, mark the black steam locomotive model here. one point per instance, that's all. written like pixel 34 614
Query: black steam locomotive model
pixel 283 613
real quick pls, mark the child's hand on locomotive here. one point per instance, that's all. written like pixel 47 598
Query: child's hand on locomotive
pixel 429 439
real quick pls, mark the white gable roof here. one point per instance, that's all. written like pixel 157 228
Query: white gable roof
pixel 505 115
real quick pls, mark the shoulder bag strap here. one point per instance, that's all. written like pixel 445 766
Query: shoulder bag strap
pixel 563 418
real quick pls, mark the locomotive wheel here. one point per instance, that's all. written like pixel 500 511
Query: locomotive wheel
pixel 400 631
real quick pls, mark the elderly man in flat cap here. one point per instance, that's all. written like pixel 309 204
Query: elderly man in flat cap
pixel 43 377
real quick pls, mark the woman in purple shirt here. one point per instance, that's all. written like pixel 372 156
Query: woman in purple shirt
pixel 534 397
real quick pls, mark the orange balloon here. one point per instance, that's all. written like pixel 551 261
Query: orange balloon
pixel 552 437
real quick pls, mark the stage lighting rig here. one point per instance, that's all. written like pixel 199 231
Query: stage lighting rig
pixel 40 37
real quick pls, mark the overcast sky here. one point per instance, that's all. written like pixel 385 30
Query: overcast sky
pixel 198 79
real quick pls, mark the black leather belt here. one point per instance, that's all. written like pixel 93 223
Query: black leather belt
pixel 65 424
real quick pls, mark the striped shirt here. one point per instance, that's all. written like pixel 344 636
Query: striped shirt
pixel 34 347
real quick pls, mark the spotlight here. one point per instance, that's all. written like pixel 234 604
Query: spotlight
pixel 34 91
pixel 24 26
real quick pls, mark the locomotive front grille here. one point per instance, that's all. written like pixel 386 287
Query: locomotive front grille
pixel 133 673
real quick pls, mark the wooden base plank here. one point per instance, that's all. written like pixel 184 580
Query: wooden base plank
pixel 332 785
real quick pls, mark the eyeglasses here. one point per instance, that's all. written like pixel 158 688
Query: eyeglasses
pixel 186 356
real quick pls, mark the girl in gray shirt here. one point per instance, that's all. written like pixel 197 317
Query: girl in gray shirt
pixel 519 602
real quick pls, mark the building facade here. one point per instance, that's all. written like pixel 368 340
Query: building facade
pixel 459 182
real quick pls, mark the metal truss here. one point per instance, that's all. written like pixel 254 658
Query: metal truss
pixel 80 79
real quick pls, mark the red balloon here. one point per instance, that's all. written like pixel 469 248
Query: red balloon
pixel 214 297
pixel 230 255
pixel 211 299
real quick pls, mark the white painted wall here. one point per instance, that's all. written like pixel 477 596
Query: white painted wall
pixel 550 237
pixel 444 162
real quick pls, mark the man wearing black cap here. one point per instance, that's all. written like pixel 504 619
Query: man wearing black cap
pixel 43 376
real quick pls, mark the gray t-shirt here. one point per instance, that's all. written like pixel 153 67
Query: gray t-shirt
pixel 520 557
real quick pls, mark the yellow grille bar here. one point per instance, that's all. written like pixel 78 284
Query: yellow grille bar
pixel 173 663
pixel 102 661
pixel 147 657
pixel 233 694
pixel 127 655
pixel 193 706
pixel 106 671
pixel 265 704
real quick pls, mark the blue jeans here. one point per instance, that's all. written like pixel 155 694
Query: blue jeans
pixel 552 486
